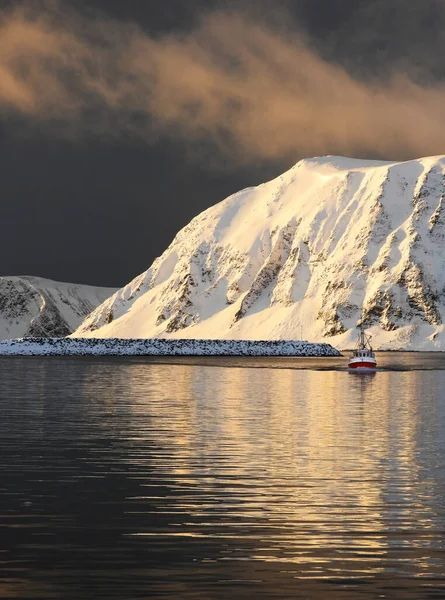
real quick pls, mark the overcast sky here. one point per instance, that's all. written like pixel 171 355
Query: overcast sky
pixel 120 121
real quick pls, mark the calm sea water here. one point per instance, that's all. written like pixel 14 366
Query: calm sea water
pixel 222 478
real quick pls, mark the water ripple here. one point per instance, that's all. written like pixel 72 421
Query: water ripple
pixel 133 479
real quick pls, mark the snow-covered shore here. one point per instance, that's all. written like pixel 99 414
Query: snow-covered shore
pixel 161 347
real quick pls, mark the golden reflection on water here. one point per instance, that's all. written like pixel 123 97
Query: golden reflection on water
pixel 315 467
pixel 186 476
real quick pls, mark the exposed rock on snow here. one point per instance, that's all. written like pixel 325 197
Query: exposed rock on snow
pixel 308 254
pixel 32 306
pixel 161 347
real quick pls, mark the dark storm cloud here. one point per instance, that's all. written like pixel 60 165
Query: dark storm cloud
pixel 84 196
pixel 257 91
pixel 387 35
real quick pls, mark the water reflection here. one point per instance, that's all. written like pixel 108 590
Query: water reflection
pixel 205 482
pixel 316 460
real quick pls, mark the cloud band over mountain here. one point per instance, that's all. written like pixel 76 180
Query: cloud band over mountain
pixel 256 91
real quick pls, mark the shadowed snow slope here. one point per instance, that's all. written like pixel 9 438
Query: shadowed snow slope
pixel 36 307
pixel 302 256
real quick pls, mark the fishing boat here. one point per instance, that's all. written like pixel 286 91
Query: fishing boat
pixel 362 357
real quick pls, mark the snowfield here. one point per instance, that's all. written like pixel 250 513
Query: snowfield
pixel 161 347
pixel 32 306
pixel 302 256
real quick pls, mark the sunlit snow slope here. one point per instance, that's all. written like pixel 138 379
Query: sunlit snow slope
pixel 32 306
pixel 302 256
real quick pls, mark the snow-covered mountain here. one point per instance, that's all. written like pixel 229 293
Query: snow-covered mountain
pixel 304 255
pixel 32 306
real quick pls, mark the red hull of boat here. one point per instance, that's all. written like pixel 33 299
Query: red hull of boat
pixel 362 365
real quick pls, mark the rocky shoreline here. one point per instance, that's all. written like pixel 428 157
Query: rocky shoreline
pixel 161 347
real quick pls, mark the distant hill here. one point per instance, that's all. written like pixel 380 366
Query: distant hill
pixel 36 307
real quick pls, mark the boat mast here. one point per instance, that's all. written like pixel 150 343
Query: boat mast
pixel 364 341
pixel 362 337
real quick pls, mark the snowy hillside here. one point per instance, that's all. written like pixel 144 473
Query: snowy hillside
pixel 31 306
pixel 302 256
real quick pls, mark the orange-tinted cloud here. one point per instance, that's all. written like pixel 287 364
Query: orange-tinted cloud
pixel 254 91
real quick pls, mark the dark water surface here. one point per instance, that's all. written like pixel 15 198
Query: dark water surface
pixel 214 479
